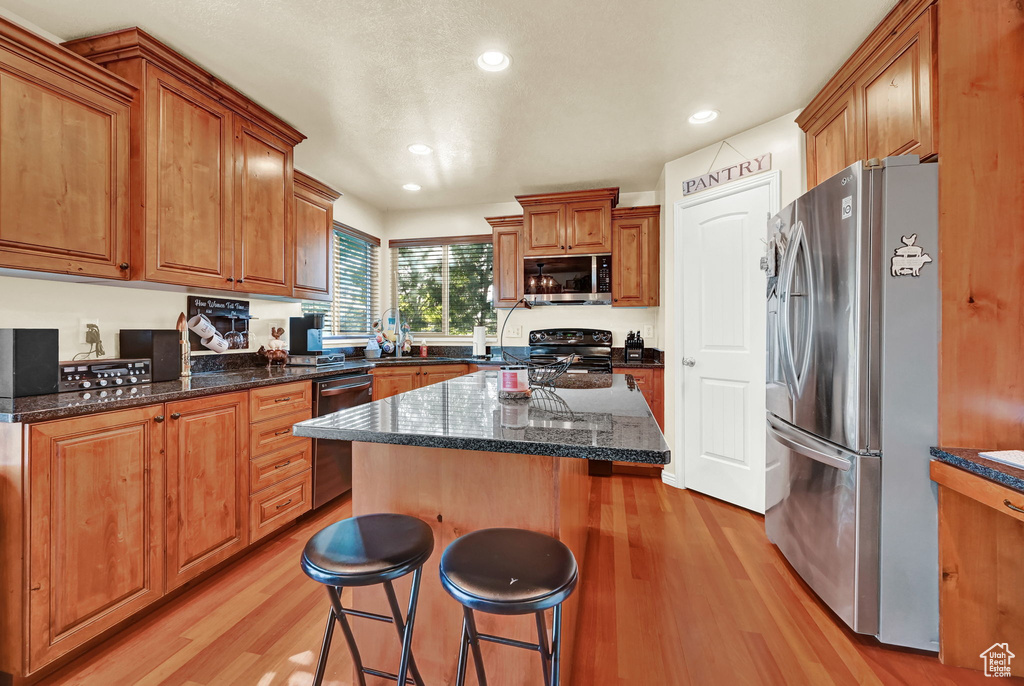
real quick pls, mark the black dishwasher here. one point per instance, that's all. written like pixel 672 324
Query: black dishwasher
pixel 332 460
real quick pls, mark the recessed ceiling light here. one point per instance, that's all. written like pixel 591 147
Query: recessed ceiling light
pixel 420 149
pixel 703 117
pixel 493 60
pixel 411 186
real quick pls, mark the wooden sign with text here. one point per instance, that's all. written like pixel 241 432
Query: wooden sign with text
pixel 727 174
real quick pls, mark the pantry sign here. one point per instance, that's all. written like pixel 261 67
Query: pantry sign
pixel 752 166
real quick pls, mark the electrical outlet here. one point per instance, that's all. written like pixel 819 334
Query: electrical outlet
pixel 648 331
pixel 514 331
pixel 82 327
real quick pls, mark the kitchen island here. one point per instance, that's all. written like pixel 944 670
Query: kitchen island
pixel 459 458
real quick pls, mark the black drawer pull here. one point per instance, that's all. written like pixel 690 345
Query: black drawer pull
pixel 283 464
pixel 176 415
pixel 287 502
pixel 1013 507
pixel 283 431
pixel 281 400
pixel 158 419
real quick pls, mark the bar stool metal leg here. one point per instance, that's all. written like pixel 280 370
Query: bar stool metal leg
pixel 410 618
pixel 460 677
pixel 542 643
pixel 556 644
pixel 325 648
pixel 474 643
pixel 339 612
pixel 400 625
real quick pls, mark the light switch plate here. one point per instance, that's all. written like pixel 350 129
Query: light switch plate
pixel 648 331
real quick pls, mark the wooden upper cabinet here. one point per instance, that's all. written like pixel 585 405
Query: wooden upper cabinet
pixel 95 538
pixel 508 260
pixel 589 227
pixel 896 94
pixel 64 160
pixel 187 221
pixel 212 177
pixel 544 227
pixel 577 222
pixel 207 483
pixel 264 217
pixel 636 256
pixel 832 140
pixel 314 238
pixel 881 101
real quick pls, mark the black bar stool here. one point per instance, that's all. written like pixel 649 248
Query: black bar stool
pixel 363 551
pixel 509 572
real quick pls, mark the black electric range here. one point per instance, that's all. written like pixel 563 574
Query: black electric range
pixel 594 346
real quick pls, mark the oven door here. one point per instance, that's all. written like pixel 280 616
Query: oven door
pixel 332 460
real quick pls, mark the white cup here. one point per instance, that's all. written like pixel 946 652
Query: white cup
pixel 215 343
pixel 202 326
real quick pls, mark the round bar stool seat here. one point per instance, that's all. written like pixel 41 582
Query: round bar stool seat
pixel 363 551
pixel 508 571
pixel 366 550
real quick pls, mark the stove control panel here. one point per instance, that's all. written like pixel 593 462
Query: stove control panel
pixel 98 375
pixel 571 337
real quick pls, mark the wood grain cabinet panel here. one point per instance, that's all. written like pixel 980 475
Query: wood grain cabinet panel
pixel 264 217
pixel 64 161
pixel 508 260
pixel 636 256
pixel 274 507
pixel 314 238
pixel 651 384
pixel 389 382
pixel 588 227
pixel 276 401
pixel 431 374
pixel 95 540
pixel 207 483
pixel 279 465
pixel 832 140
pixel 187 220
pixel 544 228
pixel 274 434
pixel 896 94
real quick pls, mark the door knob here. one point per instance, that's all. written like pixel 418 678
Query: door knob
pixel 689 362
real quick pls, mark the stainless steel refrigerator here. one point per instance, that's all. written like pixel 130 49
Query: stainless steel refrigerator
pixel 852 395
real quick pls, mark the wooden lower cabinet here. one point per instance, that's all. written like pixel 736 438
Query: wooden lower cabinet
pixel 278 505
pixel 651 384
pixel 392 381
pixel 207 483
pixel 96 528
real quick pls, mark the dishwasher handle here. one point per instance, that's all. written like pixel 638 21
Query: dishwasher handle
pixel 337 390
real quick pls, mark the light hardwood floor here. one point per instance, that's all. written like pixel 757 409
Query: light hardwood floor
pixel 679 589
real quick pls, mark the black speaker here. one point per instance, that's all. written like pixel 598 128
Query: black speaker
pixel 161 346
pixel 29 363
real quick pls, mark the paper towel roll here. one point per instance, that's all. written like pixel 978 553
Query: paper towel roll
pixel 479 340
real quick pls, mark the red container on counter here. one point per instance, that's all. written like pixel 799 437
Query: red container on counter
pixel 423 350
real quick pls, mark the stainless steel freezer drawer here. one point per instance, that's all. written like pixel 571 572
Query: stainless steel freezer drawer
pixel 826 520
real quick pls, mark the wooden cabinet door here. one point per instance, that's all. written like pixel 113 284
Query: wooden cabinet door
pixel 314 241
pixel 896 94
pixel 588 227
pixel 832 140
pixel 96 537
pixel 264 209
pixel 64 156
pixel 508 266
pixel 189 171
pixel 431 374
pixel 544 229
pixel 207 483
pixel 629 282
pixel 649 381
pixel 389 382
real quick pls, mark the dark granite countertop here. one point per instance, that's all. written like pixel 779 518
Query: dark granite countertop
pixel 971 461
pixel 646 364
pixel 595 416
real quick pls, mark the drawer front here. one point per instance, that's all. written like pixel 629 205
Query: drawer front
pixel 278 505
pixel 644 377
pixel 276 434
pixel 279 465
pixel 1000 498
pixel 277 401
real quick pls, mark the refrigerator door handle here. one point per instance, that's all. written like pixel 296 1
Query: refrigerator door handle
pixel 834 458
pixel 785 337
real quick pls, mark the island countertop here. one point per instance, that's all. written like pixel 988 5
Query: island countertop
pixel 594 416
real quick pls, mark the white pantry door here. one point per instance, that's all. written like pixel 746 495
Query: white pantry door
pixel 723 343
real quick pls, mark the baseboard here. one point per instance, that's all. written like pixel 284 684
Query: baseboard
pixel 670 479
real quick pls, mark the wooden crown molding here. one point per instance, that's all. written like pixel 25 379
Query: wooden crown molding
pixel 136 43
pixel 24 43
pixel 636 212
pixel 352 231
pixel 571 196
pixel 508 221
pixel 308 183
pixel 442 240
pixel 900 17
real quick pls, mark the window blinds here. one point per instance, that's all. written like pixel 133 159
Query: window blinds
pixel 355 302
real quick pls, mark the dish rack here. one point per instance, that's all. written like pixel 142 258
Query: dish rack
pixel 542 374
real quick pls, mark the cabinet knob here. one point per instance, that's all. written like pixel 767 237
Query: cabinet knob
pixel 562 247
pixel 158 419
pixel 241 280
pixel 123 266
pixel 570 247
pixel 176 415
pixel 230 279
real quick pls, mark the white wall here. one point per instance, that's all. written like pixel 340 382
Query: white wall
pixel 469 220
pixel 785 141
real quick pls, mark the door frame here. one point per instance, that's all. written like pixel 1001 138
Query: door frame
pixel 773 180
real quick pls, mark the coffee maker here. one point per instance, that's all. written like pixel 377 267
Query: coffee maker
pixel 306 334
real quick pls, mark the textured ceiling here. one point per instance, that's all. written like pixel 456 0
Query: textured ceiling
pixel 598 92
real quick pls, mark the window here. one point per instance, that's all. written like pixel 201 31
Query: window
pixel 443 286
pixel 355 302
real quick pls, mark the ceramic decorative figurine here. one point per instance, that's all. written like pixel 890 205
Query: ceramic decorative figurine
pixel 276 354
